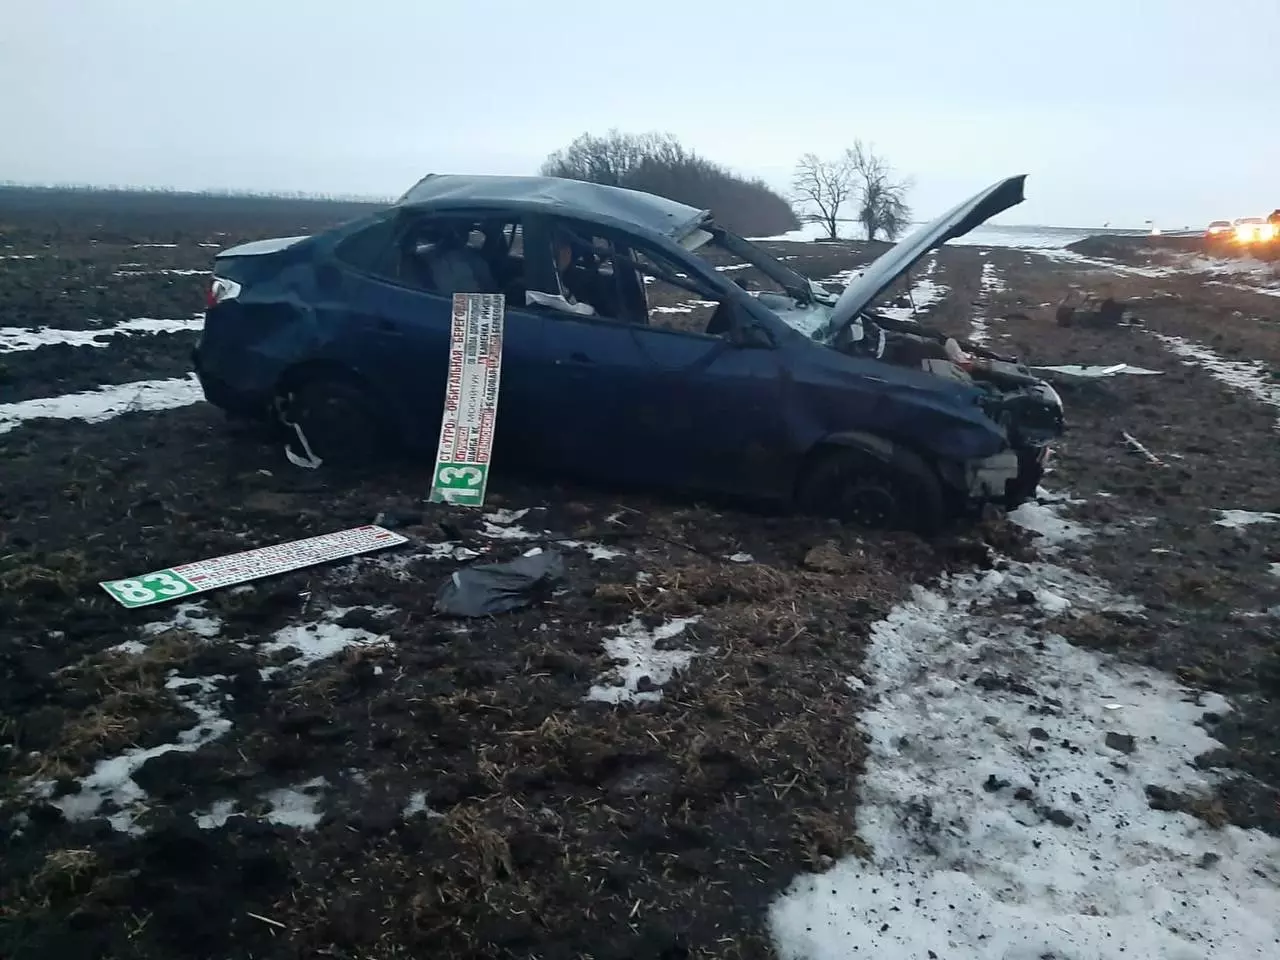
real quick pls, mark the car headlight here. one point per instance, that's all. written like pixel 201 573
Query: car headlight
pixel 1244 232
pixel 1267 231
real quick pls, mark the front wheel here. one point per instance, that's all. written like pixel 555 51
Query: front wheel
pixel 335 421
pixel 858 487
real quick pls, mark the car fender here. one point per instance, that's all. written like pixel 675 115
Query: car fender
pixel 879 447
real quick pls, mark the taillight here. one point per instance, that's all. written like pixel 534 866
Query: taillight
pixel 222 289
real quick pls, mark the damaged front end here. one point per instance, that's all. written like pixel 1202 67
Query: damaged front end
pixel 1025 407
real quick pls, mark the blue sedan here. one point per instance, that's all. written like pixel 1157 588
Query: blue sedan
pixel 789 394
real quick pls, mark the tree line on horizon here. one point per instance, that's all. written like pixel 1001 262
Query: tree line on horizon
pixel 825 191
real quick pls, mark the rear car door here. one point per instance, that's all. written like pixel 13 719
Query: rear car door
pixel 398 333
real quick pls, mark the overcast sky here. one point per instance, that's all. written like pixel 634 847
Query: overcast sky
pixel 1119 110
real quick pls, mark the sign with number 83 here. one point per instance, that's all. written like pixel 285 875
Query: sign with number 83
pixel 149 588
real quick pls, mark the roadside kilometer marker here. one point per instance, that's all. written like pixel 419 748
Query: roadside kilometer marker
pixel 470 400
pixel 182 581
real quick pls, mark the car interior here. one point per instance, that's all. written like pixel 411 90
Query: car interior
pixel 448 255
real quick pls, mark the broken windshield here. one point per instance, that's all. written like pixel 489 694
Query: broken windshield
pixel 797 301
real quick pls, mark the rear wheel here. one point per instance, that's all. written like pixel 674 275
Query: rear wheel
pixel 858 487
pixel 341 421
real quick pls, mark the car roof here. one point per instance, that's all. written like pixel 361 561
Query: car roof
pixel 554 196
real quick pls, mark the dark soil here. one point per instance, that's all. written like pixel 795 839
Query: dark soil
pixel 548 825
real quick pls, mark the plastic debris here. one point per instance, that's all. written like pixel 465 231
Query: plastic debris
pixel 489 588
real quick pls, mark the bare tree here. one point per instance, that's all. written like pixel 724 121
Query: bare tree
pixel 882 200
pixel 824 185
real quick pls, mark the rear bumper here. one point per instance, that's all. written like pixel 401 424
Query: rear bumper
pixel 224 395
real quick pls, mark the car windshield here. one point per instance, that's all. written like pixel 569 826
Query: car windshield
pixel 797 301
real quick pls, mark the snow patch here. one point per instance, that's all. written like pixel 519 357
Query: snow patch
pixel 1239 519
pixel 418 804
pixel 217 815
pixel 298 806
pixel 1248 376
pixel 112 779
pixel 105 403
pixel 16 339
pixel 637 646
pixel 1053 528
pixel 314 642
pixel 191 617
pixel 1003 823
pixel 596 551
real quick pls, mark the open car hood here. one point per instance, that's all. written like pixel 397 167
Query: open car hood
pixel 866 288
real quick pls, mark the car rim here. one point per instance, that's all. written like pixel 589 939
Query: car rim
pixel 870 505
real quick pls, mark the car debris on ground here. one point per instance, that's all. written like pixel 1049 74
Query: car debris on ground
pixel 486 589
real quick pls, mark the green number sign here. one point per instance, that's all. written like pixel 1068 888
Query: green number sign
pixel 149 588
pixel 461 483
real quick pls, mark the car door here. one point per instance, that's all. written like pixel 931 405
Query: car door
pixel 398 336
pixel 714 408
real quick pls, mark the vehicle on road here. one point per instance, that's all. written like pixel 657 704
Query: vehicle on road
pixel 793 394
pixel 1251 230
pixel 1219 230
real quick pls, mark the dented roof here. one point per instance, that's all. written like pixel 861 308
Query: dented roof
pixel 611 206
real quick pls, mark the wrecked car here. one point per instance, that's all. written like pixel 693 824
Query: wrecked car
pixel 789 392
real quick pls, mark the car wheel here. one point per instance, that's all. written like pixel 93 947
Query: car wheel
pixel 857 487
pixel 342 422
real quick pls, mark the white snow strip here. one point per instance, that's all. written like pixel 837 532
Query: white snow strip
pixel 1248 288
pixel 314 642
pixel 112 779
pixel 991 281
pixel 1248 376
pixel 733 266
pixel 636 646
pixel 175 273
pixel 104 403
pixel 15 339
pixel 298 806
pixel 19 256
pixel 164 245
pixel 1239 519
pixel 741 558
pixel 1004 801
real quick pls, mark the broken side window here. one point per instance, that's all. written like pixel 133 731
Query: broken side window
pixel 448 254
pixel 675 300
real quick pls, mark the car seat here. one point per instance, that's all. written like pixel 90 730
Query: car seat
pixel 453 267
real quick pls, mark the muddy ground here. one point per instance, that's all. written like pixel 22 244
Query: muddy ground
pixel 474 802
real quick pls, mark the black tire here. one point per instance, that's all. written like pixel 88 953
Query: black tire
pixel 861 488
pixel 341 420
